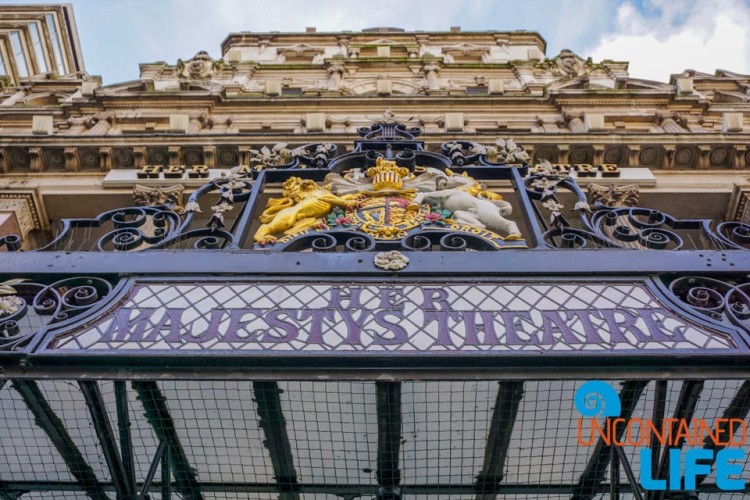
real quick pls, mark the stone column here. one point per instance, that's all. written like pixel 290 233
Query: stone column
pixel 431 74
pixel 739 156
pixel 704 151
pixel 139 155
pixel 101 126
pixel 174 155
pixel 576 125
pixel 335 76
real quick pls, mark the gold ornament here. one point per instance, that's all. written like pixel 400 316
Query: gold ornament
pixel 387 175
pixel 303 204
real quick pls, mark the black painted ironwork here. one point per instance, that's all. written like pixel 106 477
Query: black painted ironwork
pixel 738 408
pixel 104 432
pixel 227 218
pixel 158 415
pixel 635 488
pixel 442 467
pixel 690 392
pixel 271 420
pixel 504 416
pixel 29 308
pixel 389 440
pixel 154 466
pixel 10 242
pixel 705 282
pixel 658 412
pixel 55 429
pixel 126 439
pixel 723 300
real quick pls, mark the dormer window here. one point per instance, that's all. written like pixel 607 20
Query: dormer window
pixel 19 54
pixel 38 45
pixel 56 47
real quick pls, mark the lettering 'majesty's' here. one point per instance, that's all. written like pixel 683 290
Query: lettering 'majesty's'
pixel 383 321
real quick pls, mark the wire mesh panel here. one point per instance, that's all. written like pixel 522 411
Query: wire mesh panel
pixel 144 441
pixel 26 454
pixel 543 447
pixel 293 440
pixel 217 424
pixel 332 430
pixel 445 427
pixel 68 403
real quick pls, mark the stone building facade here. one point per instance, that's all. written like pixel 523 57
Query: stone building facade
pixel 378 264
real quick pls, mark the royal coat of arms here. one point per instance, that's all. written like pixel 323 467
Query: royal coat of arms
pixel 388 203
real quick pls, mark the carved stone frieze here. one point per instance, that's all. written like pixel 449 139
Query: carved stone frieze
pixel 201 66
pixel 568 64
pixel 147 196
pixel 615 196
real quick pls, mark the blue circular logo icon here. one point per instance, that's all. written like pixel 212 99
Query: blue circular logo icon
pixel 597 399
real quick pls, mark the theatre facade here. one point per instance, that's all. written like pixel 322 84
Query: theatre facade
pixel 374 264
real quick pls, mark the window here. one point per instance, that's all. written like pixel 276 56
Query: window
pixel 36 41
pixel 3 68
pixel 56 47
pixel 19 54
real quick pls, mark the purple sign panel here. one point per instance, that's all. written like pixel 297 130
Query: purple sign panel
pixel 380 317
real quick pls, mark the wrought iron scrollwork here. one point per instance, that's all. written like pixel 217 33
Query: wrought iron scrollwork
pixel 733 235
pixel 144 228
pixel 389 131
pixel 228 211
pixel 726 301
pixel 10 242
pixel 445 241
pixel 608 226
pixel 640 228
pixel 124 229
pixel 27 307
pixel 329 241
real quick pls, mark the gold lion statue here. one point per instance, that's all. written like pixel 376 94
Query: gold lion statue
pixel 302 204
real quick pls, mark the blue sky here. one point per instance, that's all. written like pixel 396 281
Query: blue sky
pixel 658 37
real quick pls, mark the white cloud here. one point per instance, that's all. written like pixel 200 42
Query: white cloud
pixel 702 35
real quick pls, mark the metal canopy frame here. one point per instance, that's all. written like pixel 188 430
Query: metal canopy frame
pixel 178 475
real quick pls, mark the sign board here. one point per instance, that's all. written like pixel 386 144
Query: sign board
pixel 375 317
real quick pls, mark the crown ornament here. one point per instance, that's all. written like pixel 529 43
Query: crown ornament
pixel 386 175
